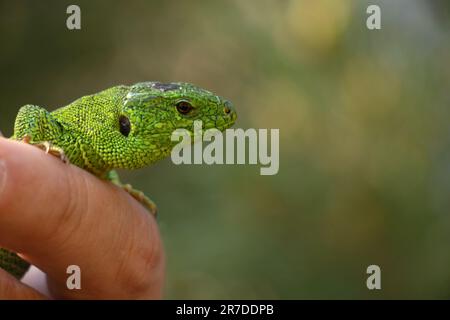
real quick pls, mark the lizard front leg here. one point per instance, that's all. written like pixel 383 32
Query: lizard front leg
pixel 137 194
pixel 36 126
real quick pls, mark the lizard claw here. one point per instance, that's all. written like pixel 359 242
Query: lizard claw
pixel 138 195
pixel 142 198
pixel 48 147
pixel 26 139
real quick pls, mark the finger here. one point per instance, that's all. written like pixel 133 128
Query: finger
pixel 12 289
pixel 59 215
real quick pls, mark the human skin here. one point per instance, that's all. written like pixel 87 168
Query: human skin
pixel 57 215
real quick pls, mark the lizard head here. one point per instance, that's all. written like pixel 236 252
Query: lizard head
pixel 152 111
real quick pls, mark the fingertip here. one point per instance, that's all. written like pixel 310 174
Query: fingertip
pixel 13 289
pixel 36 279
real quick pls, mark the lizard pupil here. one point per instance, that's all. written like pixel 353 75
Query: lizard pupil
pixel 125 125
pixel 184 107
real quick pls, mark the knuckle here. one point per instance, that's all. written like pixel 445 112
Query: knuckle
pixel 141 269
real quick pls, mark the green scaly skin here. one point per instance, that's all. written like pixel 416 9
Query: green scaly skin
pixel 125 127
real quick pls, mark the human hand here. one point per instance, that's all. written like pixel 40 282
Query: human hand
pixel 57 215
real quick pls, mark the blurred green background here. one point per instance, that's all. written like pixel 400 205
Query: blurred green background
pixel 364 119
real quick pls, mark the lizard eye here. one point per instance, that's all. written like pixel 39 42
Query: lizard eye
pixel 184 107
pixel 125 125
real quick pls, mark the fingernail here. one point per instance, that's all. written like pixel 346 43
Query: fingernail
pixel 2 175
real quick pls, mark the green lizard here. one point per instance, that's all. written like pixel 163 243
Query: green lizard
pixel 125 127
